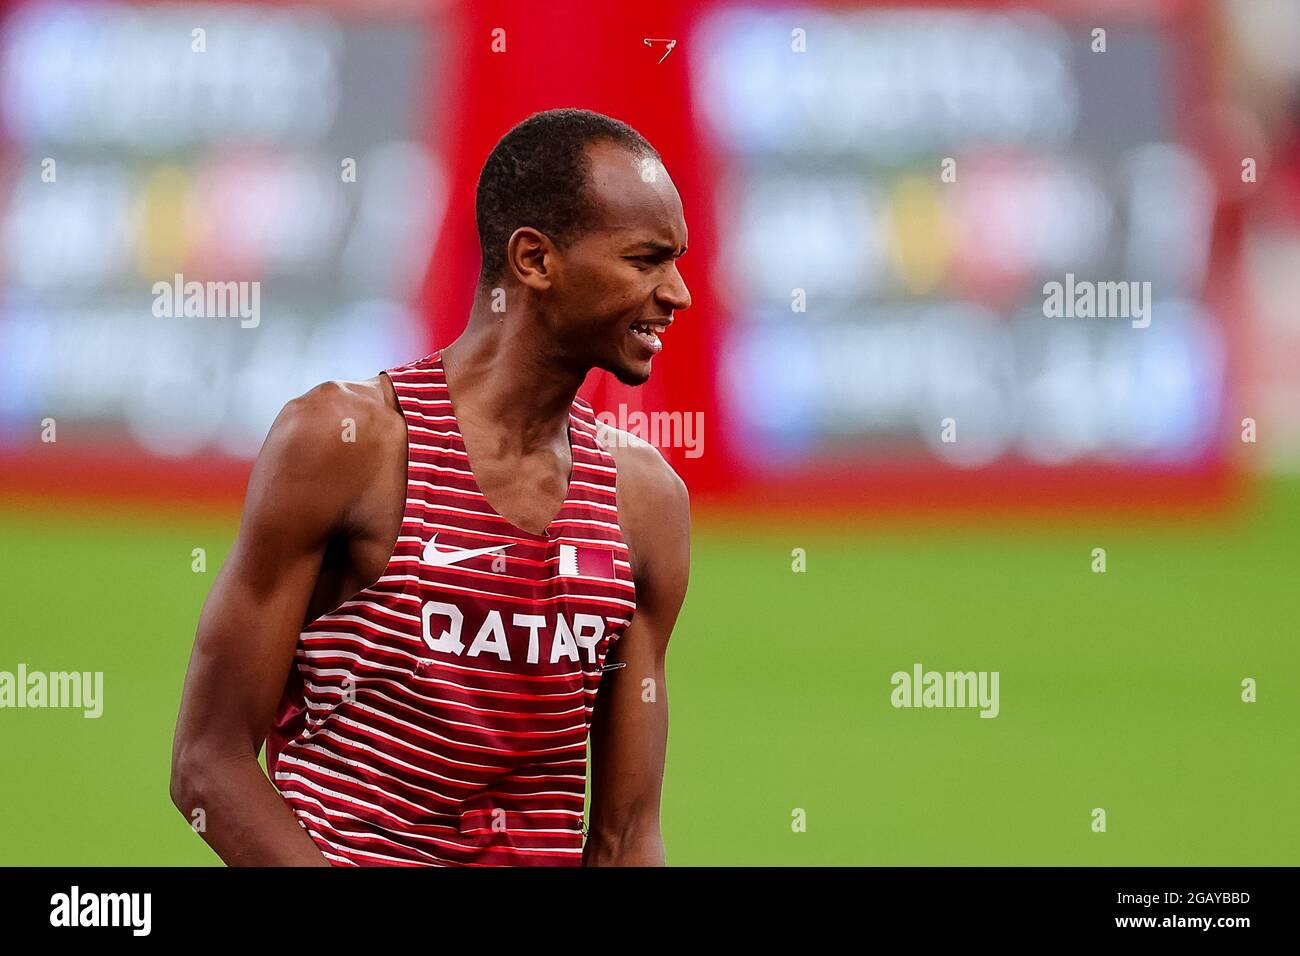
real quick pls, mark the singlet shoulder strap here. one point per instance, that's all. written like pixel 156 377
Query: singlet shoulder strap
pixel 419 365
pixel 587 428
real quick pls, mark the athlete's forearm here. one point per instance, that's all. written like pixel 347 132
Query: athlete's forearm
pixel 641 846
pixel 244 818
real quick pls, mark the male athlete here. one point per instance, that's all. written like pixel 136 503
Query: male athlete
pixel 447 577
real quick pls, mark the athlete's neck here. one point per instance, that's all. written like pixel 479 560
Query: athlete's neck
pixel 504 378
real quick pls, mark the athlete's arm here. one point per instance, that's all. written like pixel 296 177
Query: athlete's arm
pixel 629 731
pixel 298 499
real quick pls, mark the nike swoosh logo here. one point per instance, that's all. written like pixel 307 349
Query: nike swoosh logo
pixel 440 559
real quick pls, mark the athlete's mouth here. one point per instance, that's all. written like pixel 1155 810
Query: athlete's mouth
pixel 648 333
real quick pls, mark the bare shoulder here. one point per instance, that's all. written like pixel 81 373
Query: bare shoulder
pixel 643 470
pixel 332 426
pixel 370 399
pixel 653 502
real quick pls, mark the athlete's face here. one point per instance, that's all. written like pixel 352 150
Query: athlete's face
pixel 618 285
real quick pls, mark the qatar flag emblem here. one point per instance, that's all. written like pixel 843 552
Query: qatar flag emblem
pixel 579 561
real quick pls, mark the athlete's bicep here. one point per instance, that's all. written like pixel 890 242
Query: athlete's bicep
pixel 250 622
pixel 629 735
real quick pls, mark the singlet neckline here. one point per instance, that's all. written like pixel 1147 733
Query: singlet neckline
pixel 546 535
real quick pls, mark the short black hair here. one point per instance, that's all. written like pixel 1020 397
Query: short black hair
pixel 537 175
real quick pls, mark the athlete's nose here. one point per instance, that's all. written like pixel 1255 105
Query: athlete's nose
pixel 674 294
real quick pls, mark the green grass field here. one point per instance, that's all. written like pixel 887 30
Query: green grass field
pixel 1119 690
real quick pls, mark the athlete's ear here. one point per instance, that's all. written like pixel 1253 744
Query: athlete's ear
pixel 531 256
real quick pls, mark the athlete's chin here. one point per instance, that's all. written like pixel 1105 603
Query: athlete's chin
pixel 631 373
pixel 630 369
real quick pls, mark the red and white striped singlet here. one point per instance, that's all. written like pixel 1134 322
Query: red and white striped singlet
pixel 441 715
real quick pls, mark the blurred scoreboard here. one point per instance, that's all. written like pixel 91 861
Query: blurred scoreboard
pixel 872 297
pixel 223 142
pixel 877 198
